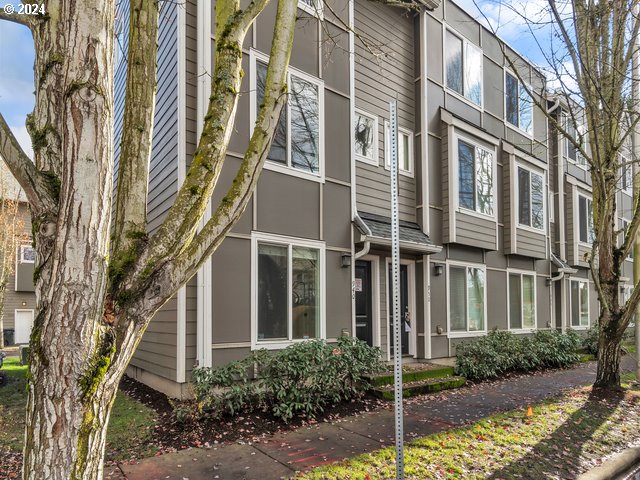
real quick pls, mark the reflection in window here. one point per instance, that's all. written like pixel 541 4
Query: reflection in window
pixel 530 199
pixel 405 148
pixel 466 299
pixel 585 219
pixel 463 62
pixel 365 134
pixel 578 135
pixel 475 178
pixel 519 105
pixel 297 137
pixel 306 281
pixel 579 303
pixel 522 301
pixel 272 292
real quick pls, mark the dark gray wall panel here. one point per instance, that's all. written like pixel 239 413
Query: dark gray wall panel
pixel 434 50
pixel 337 142
pixel 337 215
pixel 338 302
pixel 462 22
pixel 496 300
pixel 335 58
pixel 229 170
pixel 463 110
pixel 543 302
pixel 493 89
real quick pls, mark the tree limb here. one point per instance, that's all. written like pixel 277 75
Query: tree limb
pixel 133 174
pixel 25 20
pixel 36 187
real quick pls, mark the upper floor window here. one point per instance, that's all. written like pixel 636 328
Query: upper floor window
pixel 463 67
pixel 466 299
pixel 585 220
pixel 579 303
pixel 405 149
pixel 366 137
pixel 27 254
pixel 522 301
pixel 298 138
pixel 314 7
pixel 289 290
pixel 576 132
pixel 530 199
pixel 518 104
pixel 475 178
pixel 627 174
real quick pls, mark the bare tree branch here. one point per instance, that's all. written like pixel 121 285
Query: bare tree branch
pixel 26 20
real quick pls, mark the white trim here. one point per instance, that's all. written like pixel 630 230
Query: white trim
pixel 580 327
pixel 465 44
pixel 521 273
pixel 468 333
pixel 181 307
pixel 15 322
pixel 317 10
pixel 289 242
pixel 387 162
pixel 516 177
pixel 376 145
pixel 589 198
pixel 222 346
pixel 255 55
pixel 516 128
pixel 411 300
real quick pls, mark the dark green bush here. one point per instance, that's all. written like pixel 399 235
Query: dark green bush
pixel 501 352
pixel 590 341
pixel 301 379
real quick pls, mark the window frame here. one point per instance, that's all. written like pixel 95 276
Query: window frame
pixel 465 44
pixel 21 250
pixel 522 273
pixel 521 85
pixel 387 151
pixel 257 56
pixel 467 333
pixel 361 158
pixel 493 151
pixel 582 164
pixel 531 171
pixel 258 238
pixel 317 10
pixel 627 174
pixel 571 325
pixel 589 200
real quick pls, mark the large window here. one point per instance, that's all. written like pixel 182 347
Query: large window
pixel 585 220
pixel 530 199
pixel 579 303
pixel 518 104
pixel 297 142
pixel 405 149
pixel 27 254
pixel 366 137
pixel 466 299
pixel 463 67
pixel 576 132
pixel 289 292
pixel 522 301
pixel 475 178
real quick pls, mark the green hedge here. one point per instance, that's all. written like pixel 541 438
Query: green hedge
pixel 301 379
pixel 501 352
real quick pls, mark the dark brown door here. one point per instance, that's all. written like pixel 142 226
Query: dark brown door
pixel 364 302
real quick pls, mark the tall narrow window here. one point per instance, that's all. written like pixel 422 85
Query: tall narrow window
pixel 585 219
pixel 463 65
pixel 296 142
pixel 522 301
pixel 405 149
pixel 366 137
pixel 475 178
pixel 466 299
pixel 579 303
pixel 530 199
pixel 519 105
pixel 627 174
pixel 576 132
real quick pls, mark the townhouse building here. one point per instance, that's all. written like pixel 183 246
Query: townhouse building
pixel 491 199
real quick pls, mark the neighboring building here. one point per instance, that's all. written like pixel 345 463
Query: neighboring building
pixel 19 298
pixel 487 191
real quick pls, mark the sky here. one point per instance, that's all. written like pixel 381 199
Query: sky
pixel 17 55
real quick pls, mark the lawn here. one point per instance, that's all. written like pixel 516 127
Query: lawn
pixel 130 427
pixel 564 437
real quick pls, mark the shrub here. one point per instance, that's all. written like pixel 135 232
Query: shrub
pixel 301 379
pixel 501 352
pixel 590 341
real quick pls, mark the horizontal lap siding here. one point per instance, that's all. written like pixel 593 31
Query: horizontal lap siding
pixel 531 244
pixel 475 231
pixel 379 81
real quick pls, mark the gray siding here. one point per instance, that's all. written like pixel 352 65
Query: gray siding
pixel 378 81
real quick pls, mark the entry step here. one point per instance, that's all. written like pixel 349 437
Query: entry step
pixel 421 387
pixel 413 373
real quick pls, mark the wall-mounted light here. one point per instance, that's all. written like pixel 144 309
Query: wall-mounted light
pixel 24 304
pixel 438 269
pixel 345 260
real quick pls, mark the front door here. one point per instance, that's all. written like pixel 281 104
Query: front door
pixel 23 326
pixel 364 303
pixel 407 324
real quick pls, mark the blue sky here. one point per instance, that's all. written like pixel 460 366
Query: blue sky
pixel 17 55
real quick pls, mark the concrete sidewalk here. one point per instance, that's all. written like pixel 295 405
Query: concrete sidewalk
pixel 281 455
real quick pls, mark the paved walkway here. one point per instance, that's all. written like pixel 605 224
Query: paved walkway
pixel 282 454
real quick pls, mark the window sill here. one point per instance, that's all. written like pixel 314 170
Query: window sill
pixel 517 129
pixel 539 231
pixel 276 344
pixel 464 99
pixel 573 162
pixel 466 334
pixel 583 327
pixel 523 331
pixel 368 161
pixel 276 167
pixel 404 173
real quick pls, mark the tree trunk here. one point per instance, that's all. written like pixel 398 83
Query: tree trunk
pixel 608 372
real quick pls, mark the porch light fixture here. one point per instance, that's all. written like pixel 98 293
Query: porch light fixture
pixel 345 260
pixel 438 269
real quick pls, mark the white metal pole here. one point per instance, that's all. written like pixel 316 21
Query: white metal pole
pixel 395 290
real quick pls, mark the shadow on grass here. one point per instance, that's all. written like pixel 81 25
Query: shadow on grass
pixel 559 454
